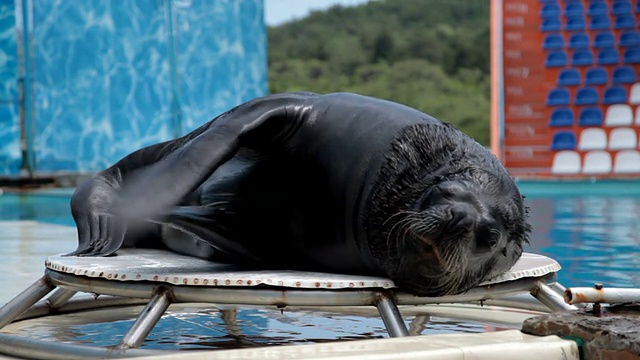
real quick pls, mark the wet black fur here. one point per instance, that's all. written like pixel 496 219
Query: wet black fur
pixel 423 156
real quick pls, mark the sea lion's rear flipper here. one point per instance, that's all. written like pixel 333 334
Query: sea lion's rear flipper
pixel 198 231
pixel 153 180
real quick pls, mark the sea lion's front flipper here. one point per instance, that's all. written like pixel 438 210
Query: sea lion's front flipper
pixel 153 180
pixel 200 231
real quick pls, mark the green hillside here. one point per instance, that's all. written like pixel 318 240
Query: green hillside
pixel 429 54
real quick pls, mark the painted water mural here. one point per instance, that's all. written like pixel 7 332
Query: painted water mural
pixel 100 79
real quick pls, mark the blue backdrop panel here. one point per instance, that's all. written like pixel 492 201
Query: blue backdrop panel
pixel 10 158
pixel 110 77
pixel 222 61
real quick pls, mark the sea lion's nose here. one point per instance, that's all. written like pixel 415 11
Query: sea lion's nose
pixel 463 217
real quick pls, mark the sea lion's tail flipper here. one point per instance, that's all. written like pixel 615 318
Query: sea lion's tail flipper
pixel 196 231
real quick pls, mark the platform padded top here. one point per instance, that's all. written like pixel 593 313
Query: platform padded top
pixel 168 267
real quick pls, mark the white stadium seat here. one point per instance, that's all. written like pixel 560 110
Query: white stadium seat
pixel 596 162
pixel 566 162
pixel 623 138
pixel 592 139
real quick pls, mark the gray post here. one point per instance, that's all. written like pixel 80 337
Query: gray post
pixel 25 300
pixel 390 315
pixel 147 319
pixel 551 298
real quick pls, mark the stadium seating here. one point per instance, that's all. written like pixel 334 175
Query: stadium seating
pixel 558 97
pixel 623 75
pixel 553 41
pixel 634 94
pixel 618 115
pixel 629 39
pixel 622 139
pixel 596 76
pixel 578 40
pixel 568 77
pixel 566 163
pixel 564 140
pixel 614 95
pixel 561 117
pixel 587 96
pixel 597 163
pixel 556 59
pixel 590 116
pixel 604 40
pixel 626 162
pixel 592 139
pixel 592 51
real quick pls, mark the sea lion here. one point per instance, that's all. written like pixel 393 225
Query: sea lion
pixel 336 183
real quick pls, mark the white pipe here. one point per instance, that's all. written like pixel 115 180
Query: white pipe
pixel 579 295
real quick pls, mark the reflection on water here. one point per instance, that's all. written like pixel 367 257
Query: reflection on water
pixel 198 328
pixel 595 237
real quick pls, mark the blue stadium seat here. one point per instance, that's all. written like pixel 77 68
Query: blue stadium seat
pixel 550 24
pixel 608 56
pixel 561 117
pixel 587 96
pixel 553 41
pixel 573 9
pixel 629 39
pixel 590 116
pixel 556 59
pixel 621 7
pixel 578 41
pixel 625 21
pixel 623 75
pixel 604 40
pixel 558 97
pixel 596 76
pixel 550 9
pixel 563 140
pixel 575 23
pixel 582 58
pixel 568 77
pixel 614 95
pixel 600 22
pixel 597 8
pixel 632 56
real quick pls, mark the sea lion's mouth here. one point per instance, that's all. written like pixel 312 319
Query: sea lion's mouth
pixel 429 249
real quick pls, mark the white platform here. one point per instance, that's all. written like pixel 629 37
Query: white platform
pixel 168 267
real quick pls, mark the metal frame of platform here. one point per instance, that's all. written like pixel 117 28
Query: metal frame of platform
pixel 160 278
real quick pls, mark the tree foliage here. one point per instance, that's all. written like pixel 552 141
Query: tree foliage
pixel 432 55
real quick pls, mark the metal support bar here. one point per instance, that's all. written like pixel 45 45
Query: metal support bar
pixel 23 301
pixel 551 298
pixel 577 295
pixel 59 297
pixel 147 319
pixel 391 315
pixel 419 324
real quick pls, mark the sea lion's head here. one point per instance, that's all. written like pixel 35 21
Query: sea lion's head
pixel 447 216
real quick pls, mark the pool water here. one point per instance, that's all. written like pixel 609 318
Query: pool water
pixel 591 229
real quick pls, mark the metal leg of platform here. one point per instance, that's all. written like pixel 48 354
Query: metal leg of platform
pixel 19 304
pixel 551 298
pixel 418 324
pixel 390 315
pixel 59 297
pixel 147 319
